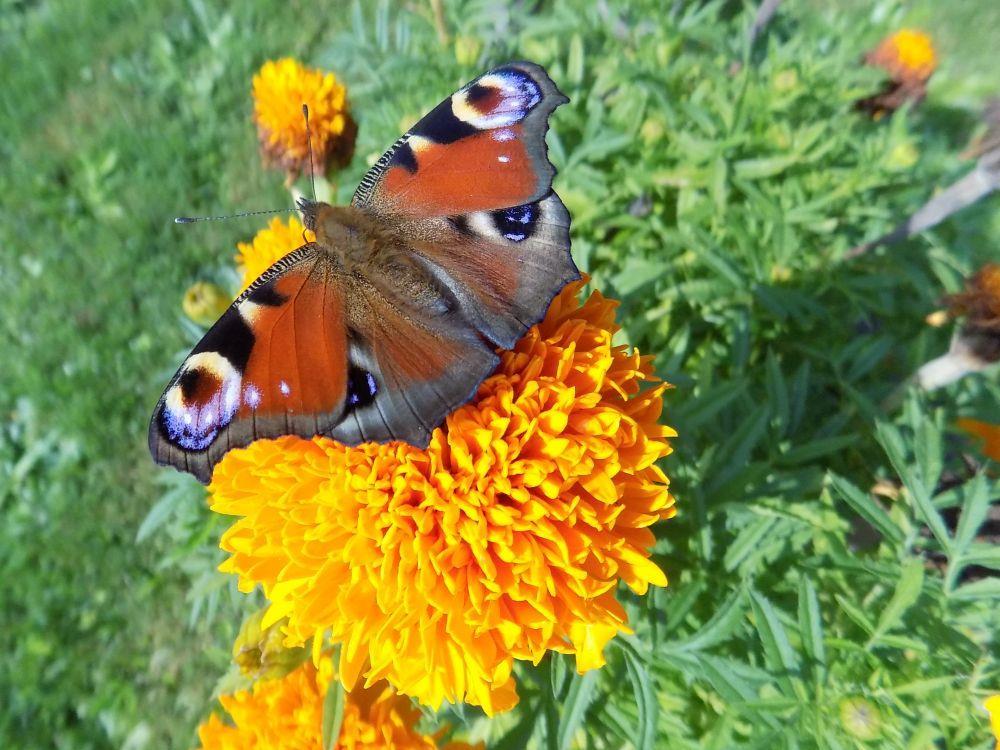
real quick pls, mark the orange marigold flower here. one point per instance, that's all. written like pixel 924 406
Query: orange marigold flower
pixel 287 714
pixel 270 244
pixel 280 89
pixel 505 538
pixel 908 56
pixel 988 433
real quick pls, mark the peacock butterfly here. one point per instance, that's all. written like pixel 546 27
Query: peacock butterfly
pixel 453 246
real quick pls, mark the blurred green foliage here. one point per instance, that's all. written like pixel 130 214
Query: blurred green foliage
pixel 713 188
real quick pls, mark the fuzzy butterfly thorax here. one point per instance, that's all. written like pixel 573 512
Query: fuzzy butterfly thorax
pixel 452 247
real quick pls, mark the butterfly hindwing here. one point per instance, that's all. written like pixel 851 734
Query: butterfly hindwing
pixel 275 363
pixel 414 360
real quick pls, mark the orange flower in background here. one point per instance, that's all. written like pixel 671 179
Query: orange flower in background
pixel 988 433
pixel 908 56
pixel 287 714
pixel 269 245
pixel 503 539
pixel 280 89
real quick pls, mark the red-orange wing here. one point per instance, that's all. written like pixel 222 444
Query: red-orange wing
pixel 275 363
pixel 483 148
pixel 470 186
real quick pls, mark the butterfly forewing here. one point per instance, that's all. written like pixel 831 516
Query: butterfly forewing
pixel 274 364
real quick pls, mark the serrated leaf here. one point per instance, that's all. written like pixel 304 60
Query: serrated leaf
pixel 974 511
pixel 911 581
pixel 891 441
pixel 747 541
pixel 574 708
pixel 645 696
pixel 333 714
pixel 868 509
pixel 778 651
pixel 720 627
pixel 811 624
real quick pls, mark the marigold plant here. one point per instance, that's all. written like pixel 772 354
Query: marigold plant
pixel 287 714
pixel 280 89
pixel 504 539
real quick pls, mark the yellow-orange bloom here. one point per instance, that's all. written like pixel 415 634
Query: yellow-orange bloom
pixel 988 433
pixel 287 714
pixel 992 705
pixel 269 244
pixel 280 89
pixel 504 539
pixel 908 56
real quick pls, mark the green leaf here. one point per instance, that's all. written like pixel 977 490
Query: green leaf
pixel 581 693
pixel 333 714
pixel 811 624
pixel 778 651
pixel 986 589
pixel 855 614
pixel 974 510
pixel 747 542
pixel 891 441
pixel 868 509
pixel 911 581
pixel 575 60
pixel 519 735
pixel 720 627
pixel 755 169
pixel 645 696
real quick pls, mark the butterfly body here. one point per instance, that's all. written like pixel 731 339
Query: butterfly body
pixel 389 320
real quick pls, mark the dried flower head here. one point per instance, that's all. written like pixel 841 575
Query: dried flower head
pixel 503 539
pixel 979 302
pixel 280 89
pixel 287 714
pixel 269 245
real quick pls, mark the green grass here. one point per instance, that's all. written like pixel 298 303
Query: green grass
pixel 716 205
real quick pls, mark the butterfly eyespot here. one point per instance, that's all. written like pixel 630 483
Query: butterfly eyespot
pixel 203 399
pixel 361 387
pixel 517 223
pixel 497 100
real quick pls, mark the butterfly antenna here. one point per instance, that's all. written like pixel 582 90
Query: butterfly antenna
pixel 312 170
pixel 193 219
